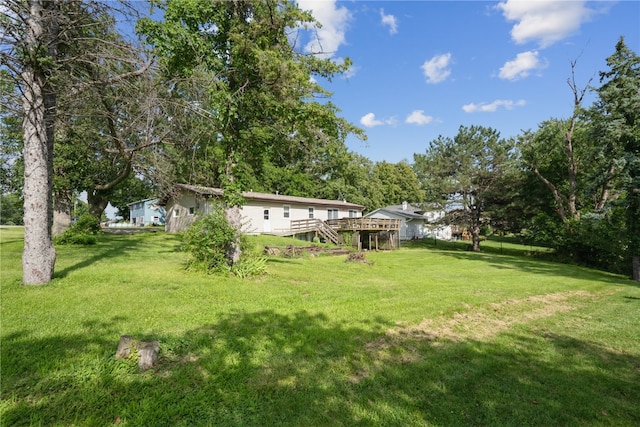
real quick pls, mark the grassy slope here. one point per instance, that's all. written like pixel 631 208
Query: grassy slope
pixel 424 336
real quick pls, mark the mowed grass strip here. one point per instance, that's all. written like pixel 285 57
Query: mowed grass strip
pixel 420 336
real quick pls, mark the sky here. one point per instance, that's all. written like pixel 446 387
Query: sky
pixel 424 68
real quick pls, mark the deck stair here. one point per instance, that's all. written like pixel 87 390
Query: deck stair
pixel 318 226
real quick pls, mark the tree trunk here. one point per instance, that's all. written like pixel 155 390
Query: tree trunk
pixel 61 211
pixel 234 217
pixel 97 202
pixel 475 229
pixel 39 104
pixel 636 268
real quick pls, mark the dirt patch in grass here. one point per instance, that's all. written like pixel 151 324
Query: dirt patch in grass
pixel 398 345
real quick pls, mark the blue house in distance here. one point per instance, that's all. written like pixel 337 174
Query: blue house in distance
pixel 146 212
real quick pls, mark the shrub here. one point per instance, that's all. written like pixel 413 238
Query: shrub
pixel 207 241
pixel 81 232
pixel 250 266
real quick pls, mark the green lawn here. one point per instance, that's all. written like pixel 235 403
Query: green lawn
pixel 424 336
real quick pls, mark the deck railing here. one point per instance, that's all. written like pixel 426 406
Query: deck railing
pixel 317 225
pixel 356 224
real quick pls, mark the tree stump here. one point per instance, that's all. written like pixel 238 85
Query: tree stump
pixel 148 351
pixel 272 251
pixel 124 346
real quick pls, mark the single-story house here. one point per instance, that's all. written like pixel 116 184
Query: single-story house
pixel 262 213
pixel 416 222
pixel 146 212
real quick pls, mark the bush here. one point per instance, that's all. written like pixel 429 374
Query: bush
pixel 207 241
pixel 81 232
pixel 250 266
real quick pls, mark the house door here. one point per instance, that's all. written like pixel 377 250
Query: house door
pixel 267 221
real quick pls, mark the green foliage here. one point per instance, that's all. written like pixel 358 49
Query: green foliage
pixel 615 119
pixel 257 119
pixel 599 241
pixel 207 241
pixel 465 169
pixel 81 232
pixel 249 267
pixel 11 209
pixel 397 183
pixel 588 203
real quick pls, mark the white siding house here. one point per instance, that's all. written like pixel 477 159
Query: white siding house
pixel 416 221
pixel 262 213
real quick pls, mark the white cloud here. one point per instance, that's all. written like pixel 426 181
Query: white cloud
pixel 493 107
pixel 390 21
pixel 437 69
pixel 521 66
pixel 417 117
pixel 369 120
pixel 544 21
pixel 327 39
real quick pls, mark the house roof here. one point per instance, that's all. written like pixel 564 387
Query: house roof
pixel 143 200
pixel 408 214
pixel 255 196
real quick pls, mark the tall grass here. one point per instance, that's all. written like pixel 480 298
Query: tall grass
pixel 420 336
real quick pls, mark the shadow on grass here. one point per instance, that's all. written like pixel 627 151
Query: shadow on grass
pixel 265 369
pixel 523 258
pixel 110 246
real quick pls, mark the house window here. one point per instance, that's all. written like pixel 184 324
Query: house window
pixel 266 214
pixel 286 211
pixel 353 213
pixel 192 210
pixel 176 212
pixel 332 213
pixel 310 213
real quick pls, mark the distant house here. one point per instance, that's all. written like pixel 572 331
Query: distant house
pixel 416 221
pixel 262 213
pixel 146 212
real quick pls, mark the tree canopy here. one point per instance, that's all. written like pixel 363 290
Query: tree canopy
pixel 463 170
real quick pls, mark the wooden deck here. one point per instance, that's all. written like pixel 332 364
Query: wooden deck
pixel 358 230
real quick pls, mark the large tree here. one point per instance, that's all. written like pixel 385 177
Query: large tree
pixel 464 170
pixel 41 46
pixel 396 183
pixel 559 139
pixel 586 165
pixel 615 125
pixel 262 104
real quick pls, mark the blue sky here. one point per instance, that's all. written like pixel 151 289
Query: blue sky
pixel 424 68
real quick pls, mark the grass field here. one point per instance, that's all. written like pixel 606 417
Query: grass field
pixel 423 336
